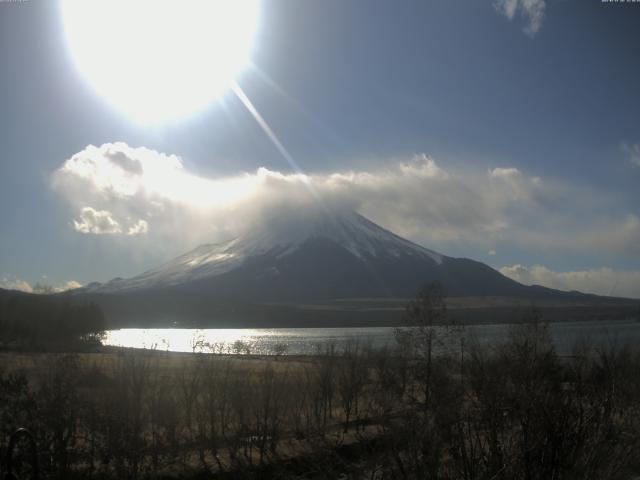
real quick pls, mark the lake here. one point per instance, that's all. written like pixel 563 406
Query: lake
pixel 306 341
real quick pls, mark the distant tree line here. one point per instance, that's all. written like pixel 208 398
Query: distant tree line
pixel 38 320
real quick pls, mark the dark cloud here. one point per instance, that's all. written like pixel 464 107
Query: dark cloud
pixel 126 163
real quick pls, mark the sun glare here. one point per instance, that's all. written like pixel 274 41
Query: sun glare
pixel 159 60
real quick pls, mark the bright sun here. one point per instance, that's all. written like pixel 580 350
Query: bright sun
pixel 159 60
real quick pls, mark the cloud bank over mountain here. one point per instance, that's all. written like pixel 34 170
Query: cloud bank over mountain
pixel 127 192
pixel 117 189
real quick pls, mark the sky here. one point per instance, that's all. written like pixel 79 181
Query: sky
pixel 507 131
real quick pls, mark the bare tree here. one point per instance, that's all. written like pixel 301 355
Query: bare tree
pixel 425 318
pixel 351 379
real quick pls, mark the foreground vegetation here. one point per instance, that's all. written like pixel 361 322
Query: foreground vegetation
pixel 433 408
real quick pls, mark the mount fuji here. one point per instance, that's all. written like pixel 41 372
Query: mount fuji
pixel 318 257
pixel 331 261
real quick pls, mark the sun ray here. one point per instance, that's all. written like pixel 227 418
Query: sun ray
pixel 318 125
pixel 274 139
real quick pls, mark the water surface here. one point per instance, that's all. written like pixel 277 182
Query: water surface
pixel 306 341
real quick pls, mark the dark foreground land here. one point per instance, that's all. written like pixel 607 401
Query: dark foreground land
pixel 430 407
pixel 513 411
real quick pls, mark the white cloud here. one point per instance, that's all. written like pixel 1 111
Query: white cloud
pixel 601 281
pixel 633 151
pixel 63 287
pixel 118 171
pixel 423 166
pixel 120 190
pixel 134 191
pixel 13 283
pixel 99 222
pixel 491 253
pixel 531 10
pixel 70 285
pixel 505 173
pixel 141 227
pixel 102 222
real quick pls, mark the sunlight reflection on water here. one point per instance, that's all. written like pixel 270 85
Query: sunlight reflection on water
pixel 306 341
pixel 293 341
